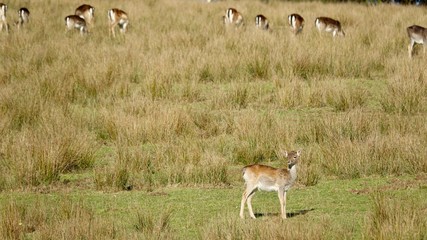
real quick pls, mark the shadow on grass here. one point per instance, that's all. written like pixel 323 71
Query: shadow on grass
pixel 288 215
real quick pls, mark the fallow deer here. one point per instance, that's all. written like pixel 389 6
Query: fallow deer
pixel 233 17
pixel 262 177
pixel 87 12
pixel 74 21
pixel 3 19
pixel 296 22
pixel 261 22
pixel 416 34
pixel 325 24
pixel 117 17
pixel 23 17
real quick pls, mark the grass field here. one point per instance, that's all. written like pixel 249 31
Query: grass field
pixel 144 136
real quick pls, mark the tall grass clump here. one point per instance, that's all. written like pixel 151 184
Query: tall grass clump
pixel 154 226
pixel 42 220
pixel 258 137
pixel 231 228
pixel 39 155
pixel 395 218
pixel 154 165
pixel 406 93
pixel 361 144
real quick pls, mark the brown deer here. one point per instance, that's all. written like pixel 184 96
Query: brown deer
pixel 23 17
pixel 266 178
pixel 117 17
pixel 87 12
pixel 416 34
pixel 325 24
pixel 233 17
pixel 296 22
pixel 261 22
pixel 74 21
pixel 3 19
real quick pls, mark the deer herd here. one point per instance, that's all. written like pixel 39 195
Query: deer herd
pixel 296 22
pixel 82 19
pixel 416 34
pixel 84 15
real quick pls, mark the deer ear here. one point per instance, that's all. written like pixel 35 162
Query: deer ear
pixel 284 153
pixel 299 152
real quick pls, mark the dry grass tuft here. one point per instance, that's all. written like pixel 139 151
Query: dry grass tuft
pixel 390 218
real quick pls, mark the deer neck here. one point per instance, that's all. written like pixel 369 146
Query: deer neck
pixel 293 173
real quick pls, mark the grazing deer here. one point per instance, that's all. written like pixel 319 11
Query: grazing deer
pixel 117 17
pixel 74 21
pixel 329 25
pixel 87 12
pixel 416 34
pixel 3 20
pixel 261 22
pixel 267 178
pixel 23 17
pixel 296 22
pixel 233 17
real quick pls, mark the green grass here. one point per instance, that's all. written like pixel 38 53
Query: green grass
pixel 342 205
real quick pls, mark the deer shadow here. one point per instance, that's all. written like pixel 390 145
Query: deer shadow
pixel 288 215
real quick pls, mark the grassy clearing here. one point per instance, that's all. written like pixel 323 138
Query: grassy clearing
pixel 182 102
pixel 363 208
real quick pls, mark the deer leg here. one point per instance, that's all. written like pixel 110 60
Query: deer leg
pixel 242 204
pixel 282 199
pixel 7 27
pixel 112 26
pixel 411 48
pixel 246 197
pixel 82 30
pixel 424 49
pixel 249 202
pixel 284 205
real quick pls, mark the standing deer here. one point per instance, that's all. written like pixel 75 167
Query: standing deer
pixel 87 12
pixel 416 34
pixel 117 17
pixel 233 17
pixel 262 177
pixel 3 20
pixel 296 22
pixel 23 17
pixel 325 24
pixel 261 22
pixel 74 21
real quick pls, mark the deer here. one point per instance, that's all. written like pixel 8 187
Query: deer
pixel 233 17
pixel 117 17
pixel 87 12
pixel 3 20
pixel 416 34
pixel 266 178
pixel 23 17
pixel 325 24
pixel 261 22
pixel 296 22
pixel 77 22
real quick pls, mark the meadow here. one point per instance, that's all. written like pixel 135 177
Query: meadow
pixel 144 136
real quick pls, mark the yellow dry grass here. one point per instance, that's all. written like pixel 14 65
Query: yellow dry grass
pixel 182 100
